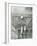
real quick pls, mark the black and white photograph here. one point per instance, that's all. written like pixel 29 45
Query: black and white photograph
pixel 21 22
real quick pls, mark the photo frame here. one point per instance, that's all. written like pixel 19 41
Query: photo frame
pixel 11 19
